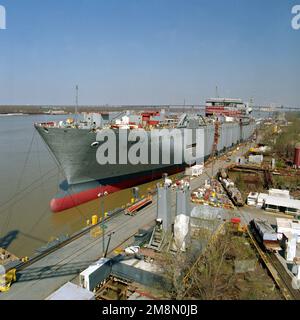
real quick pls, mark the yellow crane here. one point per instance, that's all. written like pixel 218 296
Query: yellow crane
pixel 6 280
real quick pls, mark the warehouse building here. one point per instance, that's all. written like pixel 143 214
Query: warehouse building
pixel 285 205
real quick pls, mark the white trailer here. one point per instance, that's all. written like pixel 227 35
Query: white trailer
pixel 91 277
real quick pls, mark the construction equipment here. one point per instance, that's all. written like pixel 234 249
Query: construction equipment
pixel 113 289
pixel 215 146
pixel 6 257
pixel 157 237
pixel 242 228
pixel 133 209
pixel 7 279
pixel 237 226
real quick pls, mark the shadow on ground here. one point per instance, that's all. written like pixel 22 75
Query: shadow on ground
pixel 8 239
pixel 52 271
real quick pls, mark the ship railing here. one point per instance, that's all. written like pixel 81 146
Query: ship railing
pixel 47 124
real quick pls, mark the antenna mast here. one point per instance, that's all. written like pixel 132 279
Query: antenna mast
pixel 217 92
pixel 76 103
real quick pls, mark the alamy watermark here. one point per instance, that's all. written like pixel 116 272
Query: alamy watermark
pixel 296 18
pixel 155 147
pixel 2 18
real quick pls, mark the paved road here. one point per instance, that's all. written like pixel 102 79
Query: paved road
pixel 43 277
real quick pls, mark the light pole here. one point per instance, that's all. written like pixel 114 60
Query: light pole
pixel 109 238
pixel 101 195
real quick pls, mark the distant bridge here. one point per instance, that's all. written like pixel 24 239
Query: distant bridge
pixel 174 107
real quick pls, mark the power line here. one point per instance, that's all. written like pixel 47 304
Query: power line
pixel 10 212
pixel 26 189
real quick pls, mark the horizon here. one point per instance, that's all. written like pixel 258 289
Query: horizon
pixel 148 53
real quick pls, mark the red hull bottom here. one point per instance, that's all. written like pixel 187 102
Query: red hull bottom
pixel 72 200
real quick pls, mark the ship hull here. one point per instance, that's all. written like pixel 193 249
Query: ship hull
pixel 73 195
pixel 86 178
pixel 72 148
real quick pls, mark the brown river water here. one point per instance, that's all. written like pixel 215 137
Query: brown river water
pixel 29 178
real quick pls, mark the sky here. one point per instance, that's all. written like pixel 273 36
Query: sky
pixel 149 51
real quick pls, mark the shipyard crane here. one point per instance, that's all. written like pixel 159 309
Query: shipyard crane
pixel 214 146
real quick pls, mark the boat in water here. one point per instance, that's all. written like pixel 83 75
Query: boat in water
pixel 76 144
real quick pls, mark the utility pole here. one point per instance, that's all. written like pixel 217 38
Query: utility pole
pixel 108 243
pixel 215 146
pixel 101 196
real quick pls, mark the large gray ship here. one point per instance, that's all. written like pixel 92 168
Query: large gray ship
pixel 75 144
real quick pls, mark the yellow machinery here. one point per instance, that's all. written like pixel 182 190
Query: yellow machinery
pixel 7 279
pixel 94 220
pixel 237 226
pixel 242 228
pixel 70 121
pixel 118 251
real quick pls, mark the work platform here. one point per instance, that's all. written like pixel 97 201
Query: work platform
pixel 42 278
